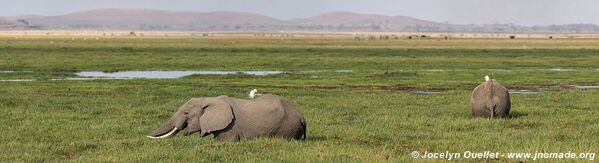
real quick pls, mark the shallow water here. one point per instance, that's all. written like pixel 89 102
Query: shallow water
pixel 164 74
pixel 561 69
pixel 584 86
pixel 17 80
pixel 440 70
pixel 524 91
pixel 87 79
pixel 424 92
pixel 344 71
pixel 11 71
pixel 502 70
pixel 328 71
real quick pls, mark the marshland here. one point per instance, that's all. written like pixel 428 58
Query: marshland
pixel 363 100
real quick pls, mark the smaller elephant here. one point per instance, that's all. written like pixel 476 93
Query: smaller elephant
pixel 490 100
pixel 231 119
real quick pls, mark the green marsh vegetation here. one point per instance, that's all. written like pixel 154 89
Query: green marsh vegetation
pixel 371 113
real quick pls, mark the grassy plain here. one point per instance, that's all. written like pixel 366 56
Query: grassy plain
pixel 369 114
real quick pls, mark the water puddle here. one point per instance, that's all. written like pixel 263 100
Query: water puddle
pixel 502 70
pixel 98 75
pixel 424 92
pixel 523 91
pixel 584 86
pixel 17 80
pixel 437 70
pixel 561 69
pixel 11 71
pixel 87 79
pixel 328 71
pixel 344 71
pixel 162 74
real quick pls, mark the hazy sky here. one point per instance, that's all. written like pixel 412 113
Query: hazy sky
pixel 524 12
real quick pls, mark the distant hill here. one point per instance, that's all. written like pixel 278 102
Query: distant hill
pixel 350 20
pixel 222 20
pixel 155 19
pixel 143 19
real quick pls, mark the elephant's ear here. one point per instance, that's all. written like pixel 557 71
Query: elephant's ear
pixel 217 116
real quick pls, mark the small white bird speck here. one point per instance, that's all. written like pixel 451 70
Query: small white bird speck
pixel 253 93
pixel 487 78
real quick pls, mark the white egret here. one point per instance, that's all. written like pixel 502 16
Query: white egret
pixel 254 93
pixel 487 78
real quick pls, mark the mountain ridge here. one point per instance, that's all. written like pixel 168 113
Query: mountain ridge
pixel 152 19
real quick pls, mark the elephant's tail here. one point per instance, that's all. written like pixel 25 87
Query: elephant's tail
pixel 304 128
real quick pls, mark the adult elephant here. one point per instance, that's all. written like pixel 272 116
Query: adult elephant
pixel 490 100
pixel 231 119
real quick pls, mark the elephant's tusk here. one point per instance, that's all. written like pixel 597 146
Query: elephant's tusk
pixel 163 136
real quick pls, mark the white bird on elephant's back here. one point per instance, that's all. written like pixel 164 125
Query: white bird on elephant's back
pixel 253 94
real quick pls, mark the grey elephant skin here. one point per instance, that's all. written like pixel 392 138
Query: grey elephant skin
pixel 490 100
pixel 230 119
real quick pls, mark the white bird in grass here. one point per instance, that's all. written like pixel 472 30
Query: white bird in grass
pixel 487 78
pixel 254 93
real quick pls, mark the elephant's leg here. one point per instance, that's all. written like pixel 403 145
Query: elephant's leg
pixel 228 134
pixel 480 109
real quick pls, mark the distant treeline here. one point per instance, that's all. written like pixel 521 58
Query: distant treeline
pixel 374 27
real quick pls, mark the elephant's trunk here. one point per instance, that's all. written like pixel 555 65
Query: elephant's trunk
pixel 168 129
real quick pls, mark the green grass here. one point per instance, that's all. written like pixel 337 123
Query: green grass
pixel 370 114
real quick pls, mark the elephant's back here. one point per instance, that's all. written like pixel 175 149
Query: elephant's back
pixel 488 91
pixel 270 115
pixel 259 117
pixel 262 109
